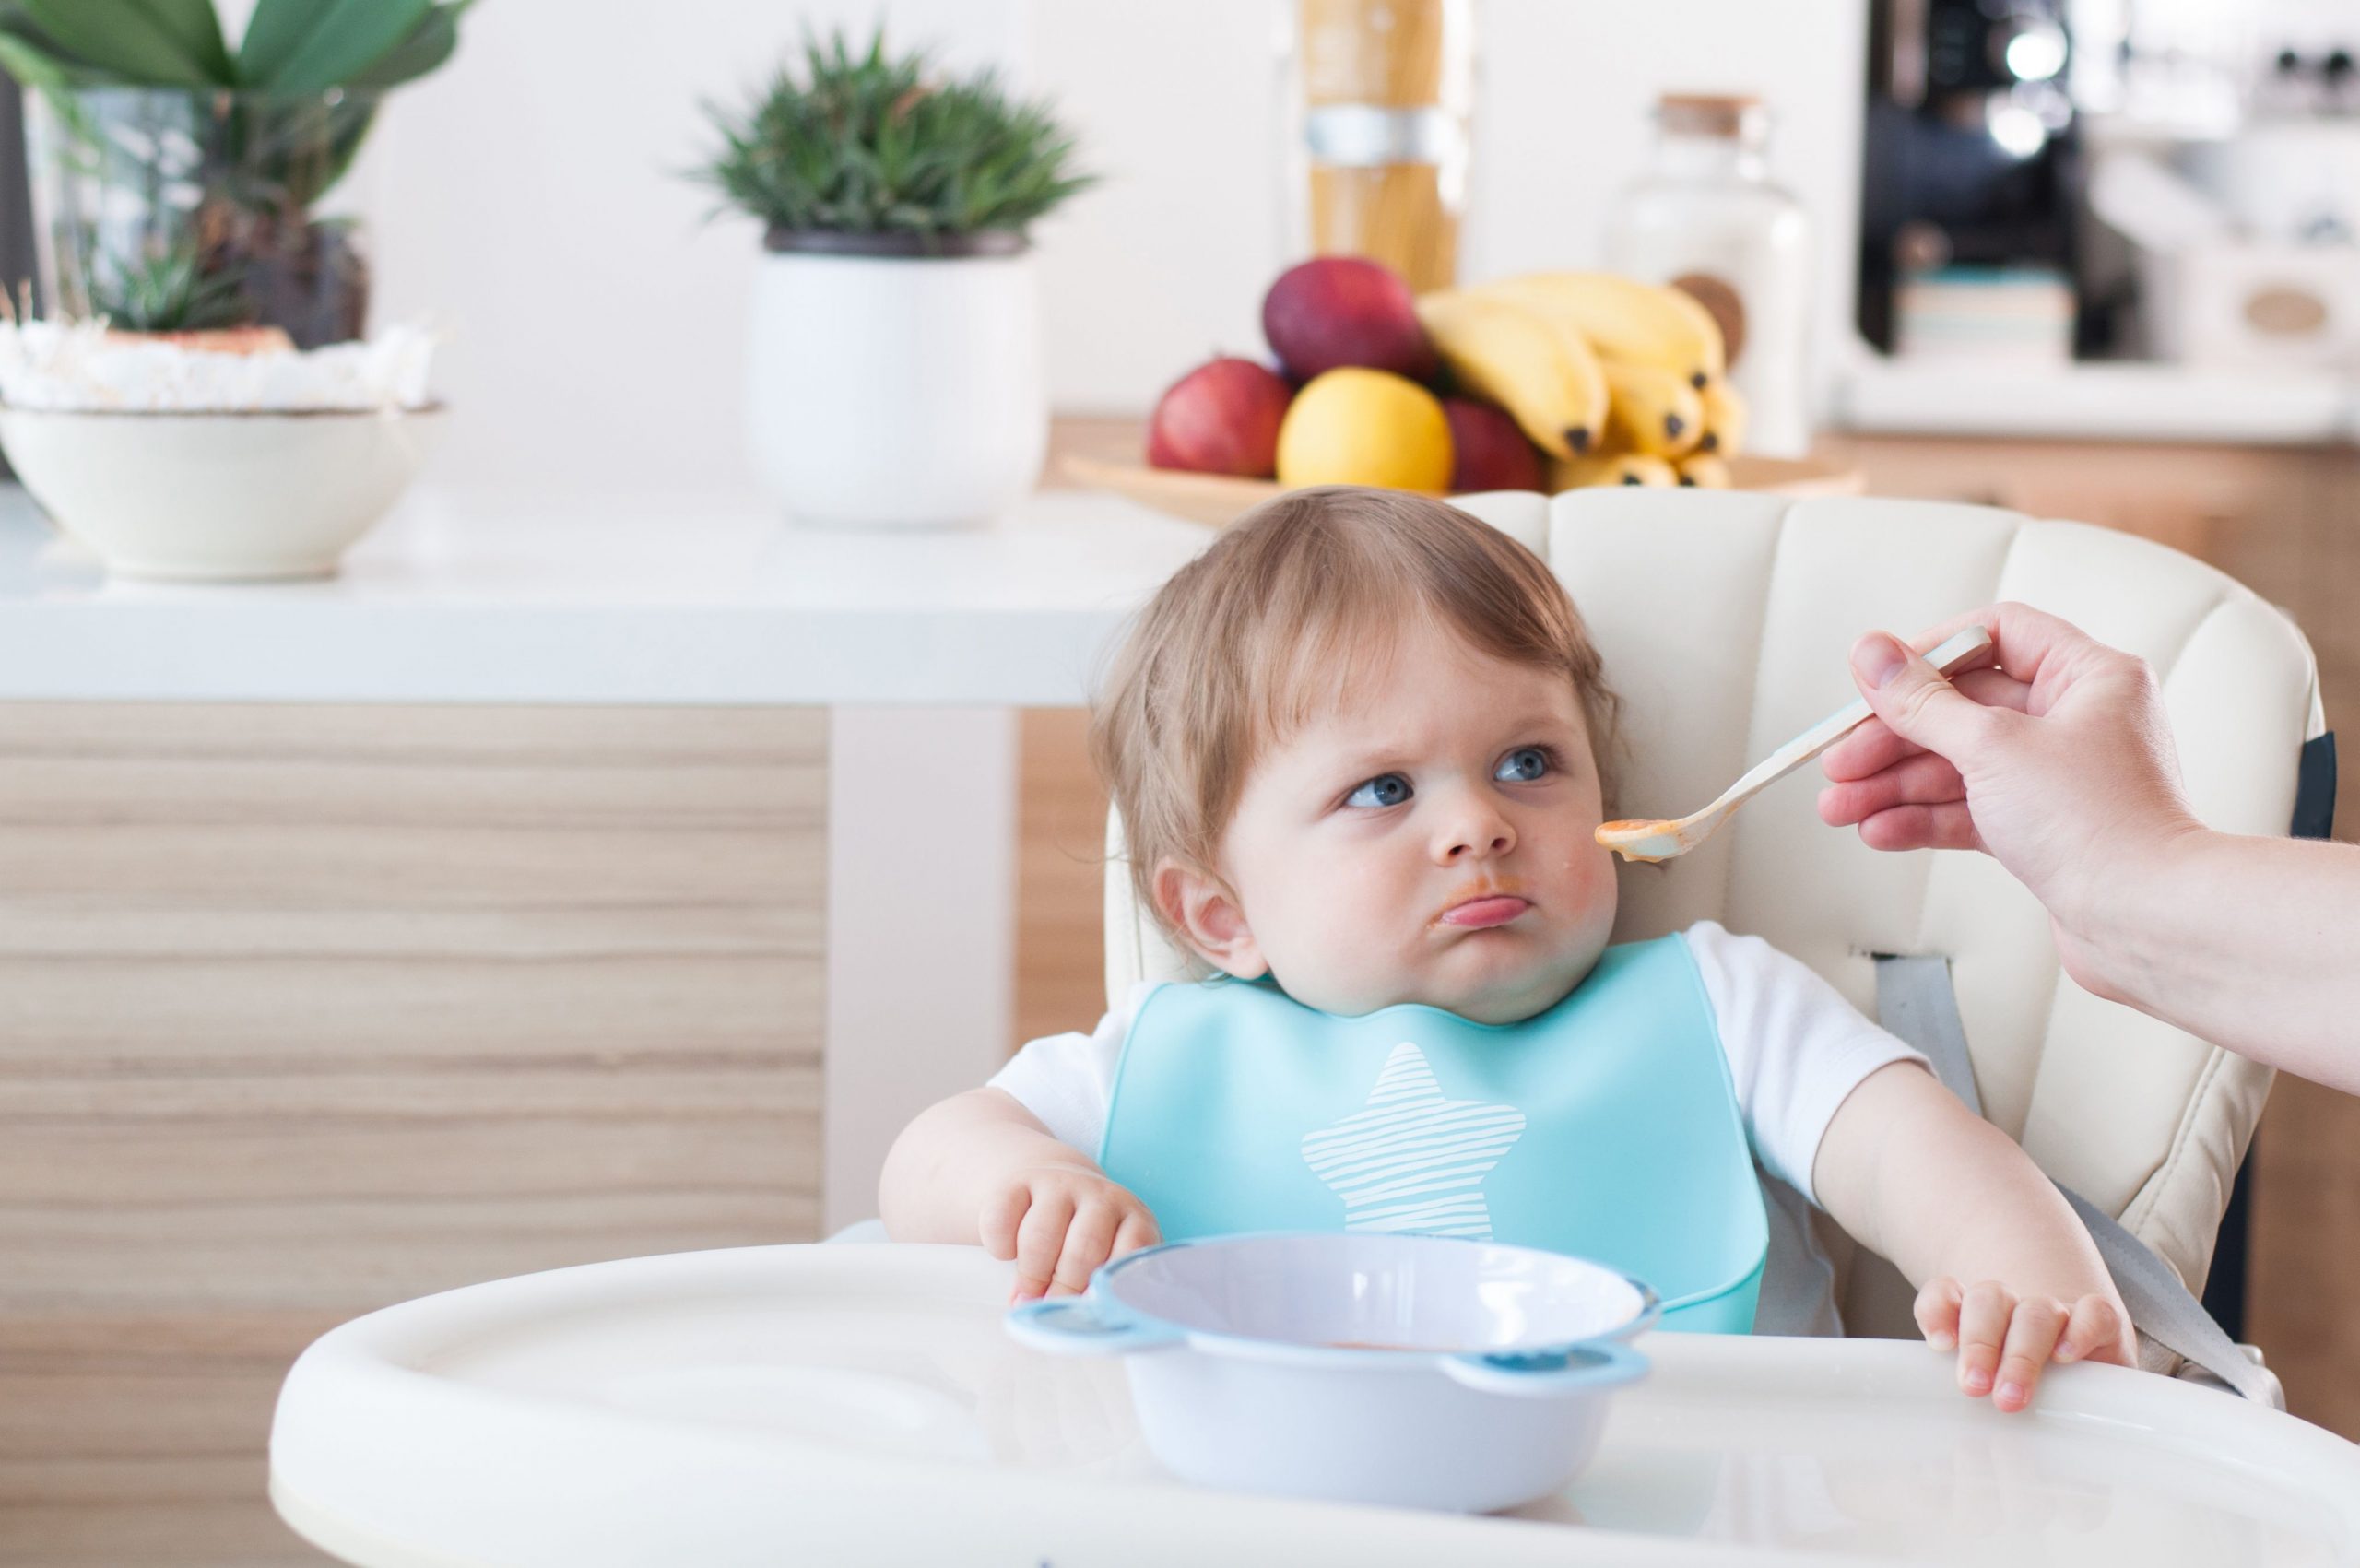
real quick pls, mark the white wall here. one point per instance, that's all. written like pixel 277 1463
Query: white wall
pixel 527 196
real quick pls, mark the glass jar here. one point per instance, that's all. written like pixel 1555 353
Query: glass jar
pixel 1707 218
pixel 1379 94
pixel 179 210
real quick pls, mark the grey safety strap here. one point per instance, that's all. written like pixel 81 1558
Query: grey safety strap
pixel 1915 1003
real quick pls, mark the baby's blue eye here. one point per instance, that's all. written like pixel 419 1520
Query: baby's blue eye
pixel 1523 765
pixel 1386 789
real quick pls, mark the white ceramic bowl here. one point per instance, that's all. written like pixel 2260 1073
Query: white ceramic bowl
pixel 218 497
pixel 1415 1370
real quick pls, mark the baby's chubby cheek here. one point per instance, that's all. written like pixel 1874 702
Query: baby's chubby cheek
pixel 1590 888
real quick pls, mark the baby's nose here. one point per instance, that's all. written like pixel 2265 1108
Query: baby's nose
pixel 1497 842
pixel 1478 838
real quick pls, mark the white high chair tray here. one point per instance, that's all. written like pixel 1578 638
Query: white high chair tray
pixel 848 1405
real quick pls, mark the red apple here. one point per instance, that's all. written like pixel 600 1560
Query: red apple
pixel 1337 311
pixel 1492 454
pixel 1222 418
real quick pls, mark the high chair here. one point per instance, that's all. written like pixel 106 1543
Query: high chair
pixel 865 1405
pixel 1724 619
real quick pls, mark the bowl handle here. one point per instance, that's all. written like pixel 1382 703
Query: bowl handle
pixel 1598 1363
pixel 1085 1326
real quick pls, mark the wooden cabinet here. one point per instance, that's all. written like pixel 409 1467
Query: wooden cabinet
pixel 308 1011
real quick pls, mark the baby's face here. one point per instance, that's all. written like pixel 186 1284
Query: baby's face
pixel 1429 841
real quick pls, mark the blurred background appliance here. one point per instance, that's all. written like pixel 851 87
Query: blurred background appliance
pixel 1970 175
pixel 2175 181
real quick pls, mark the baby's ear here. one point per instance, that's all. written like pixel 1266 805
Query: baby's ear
pixel 1200 908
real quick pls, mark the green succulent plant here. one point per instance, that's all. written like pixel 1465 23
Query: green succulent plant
pixel 863 143
pixel 172 292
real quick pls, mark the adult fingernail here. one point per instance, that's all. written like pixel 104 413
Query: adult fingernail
pixel 1876 658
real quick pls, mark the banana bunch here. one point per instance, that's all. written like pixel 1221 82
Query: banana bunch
pixel 1646 399
pixel 1627 321
pixel 1615 468
pixel 1544 375
pixel 1725 416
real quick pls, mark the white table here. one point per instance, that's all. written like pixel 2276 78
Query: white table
pixel 605 599
pixel 921 644
pixel 859 1404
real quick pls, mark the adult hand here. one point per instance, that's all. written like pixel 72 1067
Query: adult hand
pixel 2052 755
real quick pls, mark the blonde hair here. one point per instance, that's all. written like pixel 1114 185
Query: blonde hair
pixel 1287 610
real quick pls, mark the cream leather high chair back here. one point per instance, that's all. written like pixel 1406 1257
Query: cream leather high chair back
pixel 1725 620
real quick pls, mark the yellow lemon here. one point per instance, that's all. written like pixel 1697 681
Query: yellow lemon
pixel 1361 427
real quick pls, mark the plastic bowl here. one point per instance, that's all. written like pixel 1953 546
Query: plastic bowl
pixel 218 497
pixel 1415 1370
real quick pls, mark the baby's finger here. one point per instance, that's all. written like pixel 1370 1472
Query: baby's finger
pixel 997 1226
pixel 1937 1311
pixel 1138 1229
pixel 1982 1329
pixel 1040 1242
pixel 2032 1335
pixel 1087 1241
pixel 2093 1332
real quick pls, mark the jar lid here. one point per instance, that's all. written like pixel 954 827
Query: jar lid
pixel 1738 116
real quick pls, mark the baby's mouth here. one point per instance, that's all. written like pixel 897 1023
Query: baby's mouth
pixel 1493 908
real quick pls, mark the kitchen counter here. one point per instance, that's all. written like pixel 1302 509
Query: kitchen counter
pixel 2100 402
pixel 605 599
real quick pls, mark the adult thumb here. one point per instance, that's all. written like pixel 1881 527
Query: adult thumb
pixel 1914 699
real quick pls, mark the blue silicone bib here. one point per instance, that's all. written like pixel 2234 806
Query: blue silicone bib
pixel 1606 1127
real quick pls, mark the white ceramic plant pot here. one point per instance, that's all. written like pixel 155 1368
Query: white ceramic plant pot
pixel 896 391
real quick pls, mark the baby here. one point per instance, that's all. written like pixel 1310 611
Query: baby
pixel 1359 749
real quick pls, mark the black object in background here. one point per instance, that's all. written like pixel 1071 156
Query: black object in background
pixel 1938 185
pixel 15 203
pixel 16 196
pixel 2225 1291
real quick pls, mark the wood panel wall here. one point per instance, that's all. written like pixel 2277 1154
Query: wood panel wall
pixel 1060 871
pixel 307 1011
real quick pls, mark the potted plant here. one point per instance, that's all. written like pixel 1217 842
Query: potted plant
pixel 177 184
pixel 894 373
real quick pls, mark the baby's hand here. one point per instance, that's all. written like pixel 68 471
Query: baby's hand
pixel 2005 1340
pixel 1060 1222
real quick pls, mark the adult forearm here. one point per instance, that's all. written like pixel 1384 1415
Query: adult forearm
pixel 2250 943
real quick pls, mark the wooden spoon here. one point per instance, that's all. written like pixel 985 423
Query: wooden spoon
pixel 1670 840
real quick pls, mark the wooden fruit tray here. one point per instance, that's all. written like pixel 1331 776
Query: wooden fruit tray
pixel 1218 500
